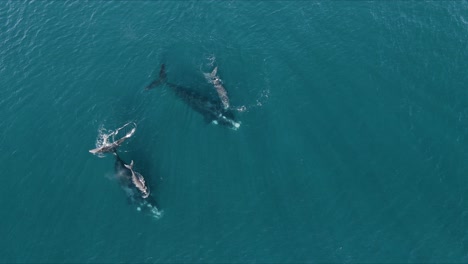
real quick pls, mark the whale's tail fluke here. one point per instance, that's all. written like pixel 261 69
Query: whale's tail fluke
pixel 161 79
pixel 130 167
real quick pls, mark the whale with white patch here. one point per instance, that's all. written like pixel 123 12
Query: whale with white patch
pixel 213 111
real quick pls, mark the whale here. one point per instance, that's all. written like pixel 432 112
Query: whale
pixel 124 174
pixel 212 110
pixel 214 79
pixel 138 181
pixel 112 146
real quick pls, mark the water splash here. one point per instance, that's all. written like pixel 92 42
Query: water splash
pixel 150 209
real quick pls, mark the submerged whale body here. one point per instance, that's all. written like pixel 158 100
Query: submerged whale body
pixel 143 200
pixel 213 111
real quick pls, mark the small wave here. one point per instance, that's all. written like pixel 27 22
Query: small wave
pixel 262 98
pixel 211 60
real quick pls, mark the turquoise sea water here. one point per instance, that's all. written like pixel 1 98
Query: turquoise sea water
pixel 353 148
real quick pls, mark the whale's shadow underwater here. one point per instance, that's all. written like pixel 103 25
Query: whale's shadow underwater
pixel 213 110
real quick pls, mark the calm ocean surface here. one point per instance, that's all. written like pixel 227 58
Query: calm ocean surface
pixel 353 148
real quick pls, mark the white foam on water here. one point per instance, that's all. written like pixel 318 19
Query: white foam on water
pixel 153 210
pixel 235 125
pixel 157 214
pixel 211 59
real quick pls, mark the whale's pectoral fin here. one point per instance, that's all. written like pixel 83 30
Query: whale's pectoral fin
pixel 94 151
pixel 161 80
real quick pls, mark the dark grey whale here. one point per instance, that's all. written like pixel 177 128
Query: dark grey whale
pixel 212 110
